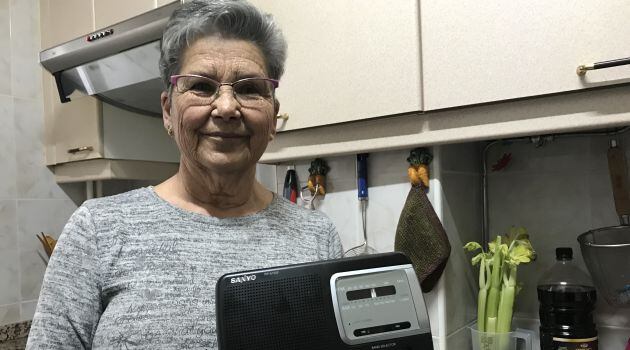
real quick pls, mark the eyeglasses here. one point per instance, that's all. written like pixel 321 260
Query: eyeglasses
pixel 249 92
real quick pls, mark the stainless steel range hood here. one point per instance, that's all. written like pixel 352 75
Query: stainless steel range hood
pixel 118 64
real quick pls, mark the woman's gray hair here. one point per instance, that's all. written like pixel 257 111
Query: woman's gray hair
pixel 233 19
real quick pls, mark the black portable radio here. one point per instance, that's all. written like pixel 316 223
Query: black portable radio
pixel 360 303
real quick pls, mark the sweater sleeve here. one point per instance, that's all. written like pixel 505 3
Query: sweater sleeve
pixel 69 306
pixel 335 250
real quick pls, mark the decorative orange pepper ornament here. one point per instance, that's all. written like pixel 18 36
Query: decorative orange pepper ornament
pixel 418 171
pixel 317 176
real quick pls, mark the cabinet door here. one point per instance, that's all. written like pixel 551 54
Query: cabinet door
pixel 164 2
pixel 347 59
pixel 484 51
pixel 64 20
pixel 108 12
pixel 76 124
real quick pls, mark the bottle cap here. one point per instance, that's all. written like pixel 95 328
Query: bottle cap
pixel 564 253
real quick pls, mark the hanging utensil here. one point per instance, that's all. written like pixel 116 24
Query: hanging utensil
pixel 316 184
pixel 362 186
pixel 290 188
pixel 619 180
pixel 309 199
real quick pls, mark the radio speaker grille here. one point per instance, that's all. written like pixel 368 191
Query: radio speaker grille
pixel 282 314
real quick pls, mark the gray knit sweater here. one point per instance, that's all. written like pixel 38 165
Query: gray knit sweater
pixel 133 271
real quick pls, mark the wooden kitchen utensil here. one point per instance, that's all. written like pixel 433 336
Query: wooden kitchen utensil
pixel 619 180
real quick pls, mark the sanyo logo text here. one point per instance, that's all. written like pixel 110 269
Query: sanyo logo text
pixel 241 279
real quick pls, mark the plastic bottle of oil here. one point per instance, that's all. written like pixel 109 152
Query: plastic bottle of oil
pixel 567 299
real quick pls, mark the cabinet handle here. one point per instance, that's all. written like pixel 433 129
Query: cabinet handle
pixel 80 149
pixel 581 70
pixel 283 116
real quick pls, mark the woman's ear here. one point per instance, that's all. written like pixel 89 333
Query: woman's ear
pixel 274 123
pixel 165 101
pixel 276 107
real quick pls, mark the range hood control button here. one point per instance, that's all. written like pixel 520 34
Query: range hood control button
pixel 99 35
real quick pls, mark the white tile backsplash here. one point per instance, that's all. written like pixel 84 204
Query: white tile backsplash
pixel 35 180
pixel 9 314
pixel 26 75
pixel 27 310
pixel 10 277
pixel 8 225
pixel 461 213
pixel 35 216
pixel 557 192
pixel 5 48
pixel 30 200
pixel 32 270
pixel 8 172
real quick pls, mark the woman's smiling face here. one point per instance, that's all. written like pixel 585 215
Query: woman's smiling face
pixel 224 135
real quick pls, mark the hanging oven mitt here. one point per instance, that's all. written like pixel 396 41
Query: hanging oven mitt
pixel 420 234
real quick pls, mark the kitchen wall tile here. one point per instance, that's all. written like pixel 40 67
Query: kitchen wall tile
pixel 599 146
pixel 27 310
pixel 266 175
pixel 384 207
pixel 564 191
pixel 26 79
pixel 32 268
pixel 76 191
pixel 553 207
pixel 461 212
pixel 8 172
pixel 556 155
pixel 9 314
pixel 459 339
pixel 341 168
pixel 462 197
pixel 343 209
pixel 8 225
pixel 10 277
pixel 35 216
pixel 602 206
pixel 462 157
pixel 36 180
pixel 5 47
pixel 386 168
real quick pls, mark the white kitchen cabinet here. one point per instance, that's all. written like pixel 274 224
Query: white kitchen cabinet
pixel 163 2
pixel 347 60
pixel 85 129
pixel 108 12
pixel 484 51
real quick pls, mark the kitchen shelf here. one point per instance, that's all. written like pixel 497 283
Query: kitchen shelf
pixel 569 112
pixel 108 169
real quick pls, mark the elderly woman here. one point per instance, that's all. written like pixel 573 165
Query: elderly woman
pixel 138 270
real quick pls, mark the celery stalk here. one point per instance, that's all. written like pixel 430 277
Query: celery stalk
pixel 506 305
pixel 492 304
pixel 497 282
pixel 483 295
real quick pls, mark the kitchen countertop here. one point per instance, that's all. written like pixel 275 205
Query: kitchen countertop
pixel 13 336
